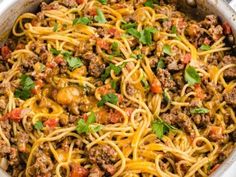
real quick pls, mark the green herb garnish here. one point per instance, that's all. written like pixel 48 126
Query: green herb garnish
pixel 160 128
pixel 110 98
pixel 205 47
pixel 167 49
pixel 199 111
pixel 82 20
pixel 100 18
pixel 191 76
pixel 38 125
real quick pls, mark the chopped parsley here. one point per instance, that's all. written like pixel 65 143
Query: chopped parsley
pixel 115 49
pixel 128 25
pixel 73 62
pixel 116 69
pixel 114 84
pixel 191 76
pixel 199 111
pixel 55 27
pixel 104 2
pixel 108 98
pixel 82 20
pixel 100 18
pixel 161 63
pixel 150 3
pixel 38 125
pixel 145 36
pixel 55 52
pixel 167 49
pixel 205 47
pixel 174 29
pixel 88 126
pixel 26 86
pixel 160 128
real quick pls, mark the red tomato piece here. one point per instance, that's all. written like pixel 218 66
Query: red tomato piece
pixel 187 58
pixel 78 171
pixel 103 44
pixel 156 86
pixel 199 91
pixel 79 1
pixel 52 123
pixel 227 28
pixel 5 51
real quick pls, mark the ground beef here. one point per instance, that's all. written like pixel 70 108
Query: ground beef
pixel 43 165
pixel 69 3
pixel 130 89
pixel 4 148
pixel 173 64
pixel 165 78
pixel 95 172
pixel 22 139
pixel 96 64
pixel 201 120
pixel 230 73
pixel 3 103
pixel 216 32
pixel 6 128
pixel 14 158
pixel 52 6
pixel 104 156
pixel 230 97
pixel 177 118
pixel 210 20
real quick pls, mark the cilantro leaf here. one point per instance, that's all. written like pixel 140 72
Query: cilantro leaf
pixel 100 18
pixel 160 128
pixel 115 49
pixel 161 63
pixel 86 127
pixel 110 98
pixel 205 47
pixel 133 32
pixel 103 1
pixel 191 76
pixel 150 3
pixel 166 96
pixel 55 52
pixel 167 49
pixel 73 62
pixel 91 118
pixel 199 111
pixel 174 29
pixel 116 69
pixel 82 127
pixel 128 25
pixel 81 20
pixel 38 125
pixel 113 84
pixel 55 27
pixel 146 35
pixel 26 85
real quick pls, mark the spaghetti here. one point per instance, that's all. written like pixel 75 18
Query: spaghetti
pixel 106 88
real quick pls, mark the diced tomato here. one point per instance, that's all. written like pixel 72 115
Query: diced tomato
pixel 199 91
pixel 79 1
pixel 93 12
pixel 78 171
pixel 103 44
pixel 187 58
pixel 59 60
pixel 52 123
pixel 156 86
pixel 207 41
pixel 51 64
pixel 15 115
pixel 120 97
pixel 215 133
pixel 6 52
pixel 227 28
pixel 114 32
pixel 105 89
pixel 38 85
pixel 20 46
pixel 115 117
pixel 85 117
